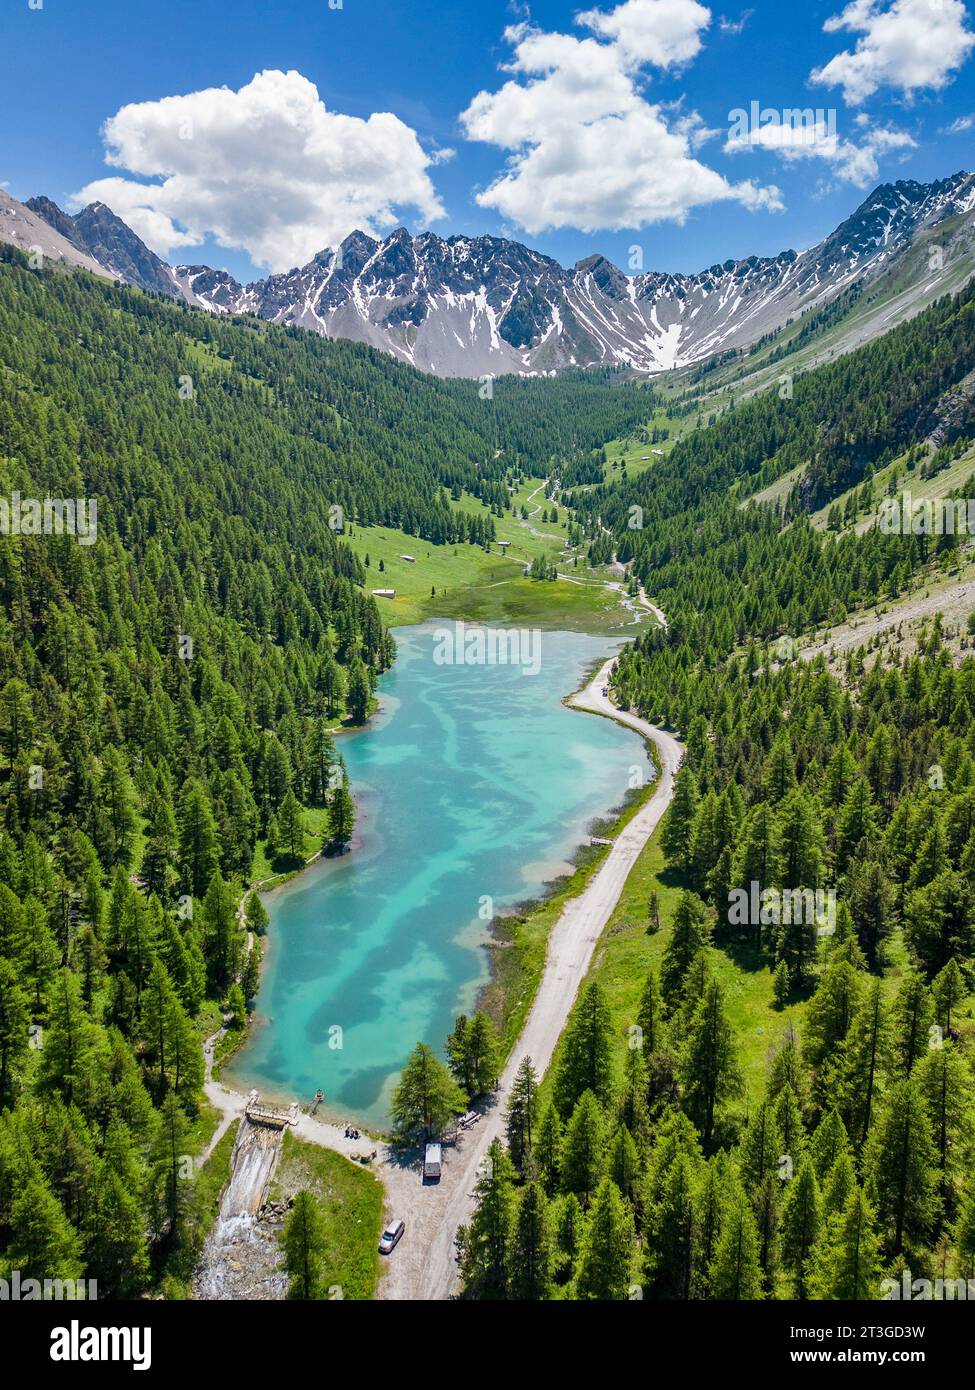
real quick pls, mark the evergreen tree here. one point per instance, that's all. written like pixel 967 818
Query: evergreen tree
pixel 800 1225
pixel 426 1096
pixel 548 1148
pixel 304 1242
pixel 521 1117
pixel 584 1148
pixel 585 1063
pixel 847 1262
pixel 606 1257
pixel 709 1068
pixel 341 818
pixel 485 1250
pixel 901 1161
pixel 531 1251
pixel 736 1273
pixel 690 933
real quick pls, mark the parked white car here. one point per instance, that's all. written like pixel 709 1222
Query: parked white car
pixel 391 1237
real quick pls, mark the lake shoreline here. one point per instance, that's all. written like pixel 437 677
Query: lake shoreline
pixel 493 992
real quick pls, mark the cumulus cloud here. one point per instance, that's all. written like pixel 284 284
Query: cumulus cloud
pixel 662 32
pixel 856 162
pixel 586 149
pixel 911 45
pixel 266 168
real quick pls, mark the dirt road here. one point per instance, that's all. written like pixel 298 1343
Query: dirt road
pixel 423 1266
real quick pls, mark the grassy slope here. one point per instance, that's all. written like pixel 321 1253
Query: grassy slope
pixel 352 1200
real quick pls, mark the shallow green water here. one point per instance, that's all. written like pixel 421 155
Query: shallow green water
pixel 473 782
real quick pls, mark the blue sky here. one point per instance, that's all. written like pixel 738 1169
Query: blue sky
pixel 579 129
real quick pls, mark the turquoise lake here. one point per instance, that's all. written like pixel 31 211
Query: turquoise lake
pixel 473 782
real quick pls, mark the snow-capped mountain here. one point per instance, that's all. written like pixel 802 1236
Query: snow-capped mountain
pixel 468 306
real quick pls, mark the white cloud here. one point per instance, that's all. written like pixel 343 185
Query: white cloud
pixel 662 32
pixel 910 45
pixel 853 162
pixel 267 168
pixel 586 149
pixel 959 126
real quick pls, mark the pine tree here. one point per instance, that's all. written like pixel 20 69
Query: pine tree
pixel 902 1163
pixel 341 818
pixel 863 1060
pixel 198 848
pixel 690 934
pixel 709 1070
pixel 586 1057
pixel 913 1015
pixel 221 932
pixel 709 1204
pixel 359 692
pixel 671 1238
pixel 170 1182
pixel 304 1242
pixel 633 1111
pixel 119 1257
pixel 487 1241
pixel 256 914
pixel 531 1251
pixel 584 1148
pixel 847 1262
pixel 426 1097
pixel 13 1033
pixel 944 1078
pixel 605 1266
pixel 829 1143
pixel 161 849
pixel 548 1148
pixel 481 1054
pixel 624 1163
pixel 569 1226
pixel 250 979
pixel 158 1005
pixel 521 1116
pixel 963 1235
pixel 678 827
pixel 800 1225
pixel 43 1244
pixel 291 825
pixel 69 1040
pixel 651 1017
pixel 736 1274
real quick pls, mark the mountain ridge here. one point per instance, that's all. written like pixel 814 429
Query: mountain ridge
pixel 486 305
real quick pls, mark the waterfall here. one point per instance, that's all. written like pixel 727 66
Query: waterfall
pixel 241 1256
